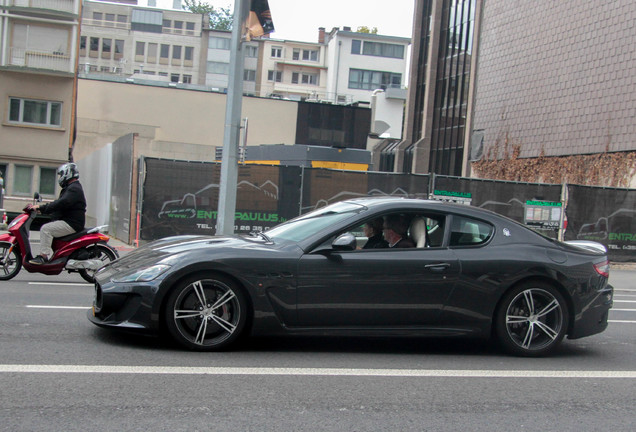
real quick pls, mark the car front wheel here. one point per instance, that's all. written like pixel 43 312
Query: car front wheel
pixel 206 312
pixel 532 320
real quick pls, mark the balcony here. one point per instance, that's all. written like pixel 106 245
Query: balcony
pixel 105 23
pixel 68 6
pixel 47 60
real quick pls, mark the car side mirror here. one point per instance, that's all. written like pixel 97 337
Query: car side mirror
pixel 344 242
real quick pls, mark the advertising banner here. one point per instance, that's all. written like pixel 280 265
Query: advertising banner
pixel 182 197
pixel 604 215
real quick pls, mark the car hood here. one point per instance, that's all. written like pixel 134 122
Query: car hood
pixel 170 249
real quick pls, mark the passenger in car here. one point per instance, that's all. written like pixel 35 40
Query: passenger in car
pixel 373 230
pixel 395 228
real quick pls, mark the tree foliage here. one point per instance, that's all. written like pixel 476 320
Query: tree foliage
pixel 365 29
pixel 220 18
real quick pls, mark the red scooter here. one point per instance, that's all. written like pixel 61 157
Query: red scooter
pixel 83 252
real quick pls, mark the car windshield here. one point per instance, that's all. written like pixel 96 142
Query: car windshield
pixel 305 226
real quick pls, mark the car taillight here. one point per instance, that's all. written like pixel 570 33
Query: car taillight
pixel 602 268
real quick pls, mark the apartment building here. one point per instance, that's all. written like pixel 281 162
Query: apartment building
pixel 156 44
pixel 38 42
pixel 292 70
pixel 360 63
pixel 218 62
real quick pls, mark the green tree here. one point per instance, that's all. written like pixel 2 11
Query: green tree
pixel 220 18
pixel 365 29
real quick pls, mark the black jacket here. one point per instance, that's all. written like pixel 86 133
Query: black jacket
pixel 376 242
pixel 69 207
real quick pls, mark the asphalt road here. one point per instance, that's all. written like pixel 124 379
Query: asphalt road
pixel 58 372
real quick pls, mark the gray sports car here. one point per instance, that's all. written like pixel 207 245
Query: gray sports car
pixel 453 270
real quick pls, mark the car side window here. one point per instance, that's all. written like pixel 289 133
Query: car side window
pixel 469 232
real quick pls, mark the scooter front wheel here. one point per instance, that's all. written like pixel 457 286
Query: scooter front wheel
pixel 10 262
pixel 101 252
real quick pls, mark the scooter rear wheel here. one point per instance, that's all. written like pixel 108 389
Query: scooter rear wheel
pixel 10 263
pixel 101 252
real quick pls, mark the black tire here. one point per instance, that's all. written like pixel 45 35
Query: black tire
pixel 10 264
pixel 206 312
pixel 532 320
pixel 101 252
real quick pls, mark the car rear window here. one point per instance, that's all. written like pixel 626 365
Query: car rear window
pixel 468 232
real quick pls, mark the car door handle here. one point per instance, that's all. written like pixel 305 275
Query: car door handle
pixel 437 267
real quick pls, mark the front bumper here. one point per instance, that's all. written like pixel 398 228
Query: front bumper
pixel 124 306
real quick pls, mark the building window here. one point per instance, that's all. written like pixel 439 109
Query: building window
pixel 122 19
pixel 174 78
pixel 106 48
pixel 310 79
pixel 190 28
pixel 98 16
pixel 119 49
pixel 249 75
pixel 110 18
pixel 370 80
pixel 165 52
pixel 178 27
pixel 140 48
pixel 189 53
pixel 94 47
pixel 35 112
pixel 219 43
pixel 47 181
pixel 355 46
pixel 251 51
pixel 152 52
pixel 22 180
pixel 218 68
pixel 176 52
pixel 296 54
pixel 295 76
pixel 166 23
pixel 310 55
pixel 187 79
pixel 275 76
pixel 277 52
pixel 379 49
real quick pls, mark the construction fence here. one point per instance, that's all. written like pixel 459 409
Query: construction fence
pixel 181 197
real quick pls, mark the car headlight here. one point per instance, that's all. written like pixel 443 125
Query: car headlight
pixel 144 274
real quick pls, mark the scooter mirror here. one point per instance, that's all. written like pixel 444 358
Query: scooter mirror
pixel 36 197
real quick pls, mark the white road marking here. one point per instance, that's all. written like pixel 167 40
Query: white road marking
pixel 623 310
pixel 56 307
pixel 61 283
pixel 624 301
pixel 175 370
pixel 622 321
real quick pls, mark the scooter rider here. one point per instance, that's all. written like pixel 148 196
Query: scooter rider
pixel 68 212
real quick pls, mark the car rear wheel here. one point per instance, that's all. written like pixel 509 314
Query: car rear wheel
pixel 206 312
pixel 10 263
pixel 532 320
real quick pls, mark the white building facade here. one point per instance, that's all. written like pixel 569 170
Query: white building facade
pixel 166 45
pixel 360 63
pixel 292 70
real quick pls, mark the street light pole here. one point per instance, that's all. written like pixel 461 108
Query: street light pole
pixel 229 162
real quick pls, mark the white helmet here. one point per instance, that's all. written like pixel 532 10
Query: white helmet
pixel 67 172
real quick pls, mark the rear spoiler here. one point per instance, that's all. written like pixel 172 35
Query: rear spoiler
pixel 587 245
